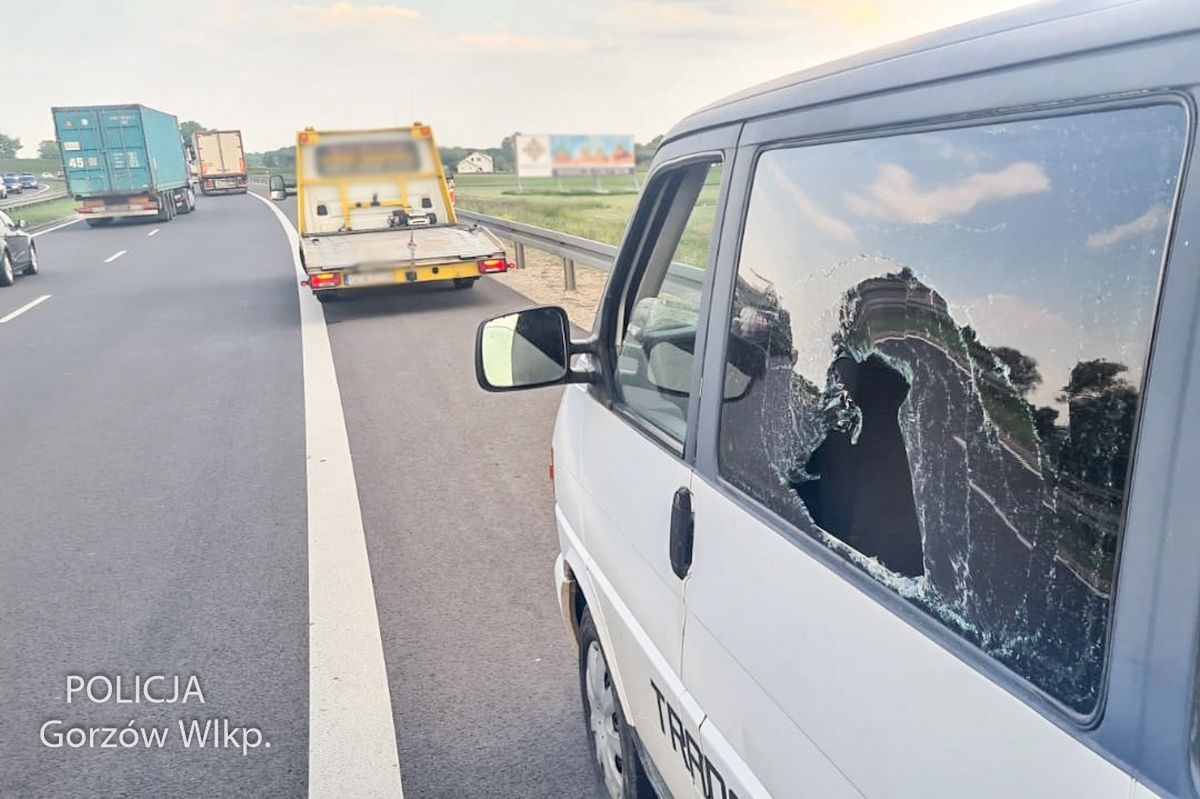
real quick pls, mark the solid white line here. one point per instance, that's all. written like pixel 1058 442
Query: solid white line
pixel 24 308
pixel 57 227
pixel 115 256
pixel 351 735
pixel 152 232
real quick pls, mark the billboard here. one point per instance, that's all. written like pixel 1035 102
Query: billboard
pixel 561 155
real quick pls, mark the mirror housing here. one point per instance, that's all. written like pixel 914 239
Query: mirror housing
pixel 526 349
pixel 22 224
pixel 277 189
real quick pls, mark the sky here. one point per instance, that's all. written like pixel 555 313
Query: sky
pixel 474 70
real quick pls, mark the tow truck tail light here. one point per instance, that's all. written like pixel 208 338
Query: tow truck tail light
pixel 325 280
pixel 488 265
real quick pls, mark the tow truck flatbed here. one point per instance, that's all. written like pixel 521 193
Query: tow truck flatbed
pixel 394 249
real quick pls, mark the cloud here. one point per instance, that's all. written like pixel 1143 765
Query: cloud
pixel 1152 220
pixel 520 43
pixel 895 196
pixel 351 15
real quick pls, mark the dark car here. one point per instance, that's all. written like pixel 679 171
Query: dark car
pixel 28 180
pixel 17 251
pixel 12 183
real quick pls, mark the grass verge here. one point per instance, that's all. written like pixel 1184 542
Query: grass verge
pixel 45 212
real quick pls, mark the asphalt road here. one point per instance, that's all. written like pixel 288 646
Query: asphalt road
pixel 154 519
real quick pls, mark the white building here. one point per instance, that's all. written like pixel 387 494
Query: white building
pixel 475 162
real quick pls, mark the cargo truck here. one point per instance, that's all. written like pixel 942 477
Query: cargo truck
pixel 222 161
pixel 374 210
pixel 123 161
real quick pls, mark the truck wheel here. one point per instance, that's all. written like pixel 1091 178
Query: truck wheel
pixel 32 269
pixel 164 209
pixel 465 282
pixel 189 202
pixel 98 222
pixel 6 270
pixel 327 296
pixel 613 752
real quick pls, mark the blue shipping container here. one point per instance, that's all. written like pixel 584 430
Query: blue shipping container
pixel 119 150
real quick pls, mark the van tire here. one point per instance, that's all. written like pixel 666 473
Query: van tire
pixel 624 777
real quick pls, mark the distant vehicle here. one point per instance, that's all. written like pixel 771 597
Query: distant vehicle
pixel 222 162
pixel 18 253
pixel 374 210
pixel 28 180
pixel 828 525
pixel 12 182
pixel 47 174
pixel 3 190
pixel 124 161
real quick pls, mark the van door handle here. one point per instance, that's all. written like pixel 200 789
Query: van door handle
pixel 683 528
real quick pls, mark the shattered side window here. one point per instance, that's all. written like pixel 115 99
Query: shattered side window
pixel 940 340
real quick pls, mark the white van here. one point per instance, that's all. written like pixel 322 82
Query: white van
pixel 876 477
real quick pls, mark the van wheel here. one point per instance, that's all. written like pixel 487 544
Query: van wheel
pixel 613 752
pixel 465 282
pixel 6 270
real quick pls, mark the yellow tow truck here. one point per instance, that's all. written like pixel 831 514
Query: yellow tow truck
pixel 374 209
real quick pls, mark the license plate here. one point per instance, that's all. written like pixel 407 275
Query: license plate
pixel 226 183
pixel 368 279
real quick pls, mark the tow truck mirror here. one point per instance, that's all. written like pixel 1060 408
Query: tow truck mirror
pixel 278 189
pixel 523 350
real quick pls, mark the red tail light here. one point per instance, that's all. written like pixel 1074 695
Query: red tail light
pixel 325 280
pixel 208 184
pixel 492 265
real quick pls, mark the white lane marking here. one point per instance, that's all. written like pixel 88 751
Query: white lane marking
pixel 115 256
pixel 152 232
pixel 57 227
pixel 351 735
pixel 24 308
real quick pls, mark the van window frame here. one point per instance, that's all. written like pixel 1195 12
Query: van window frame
pixel 637 244
pixel 707 456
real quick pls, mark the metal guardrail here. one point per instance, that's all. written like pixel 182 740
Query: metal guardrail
pixel 682 280
pixel 44 197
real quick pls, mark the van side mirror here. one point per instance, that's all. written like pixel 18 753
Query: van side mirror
pixel 277 188
pixel 523 350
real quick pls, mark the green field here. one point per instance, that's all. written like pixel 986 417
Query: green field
pixel 573 205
